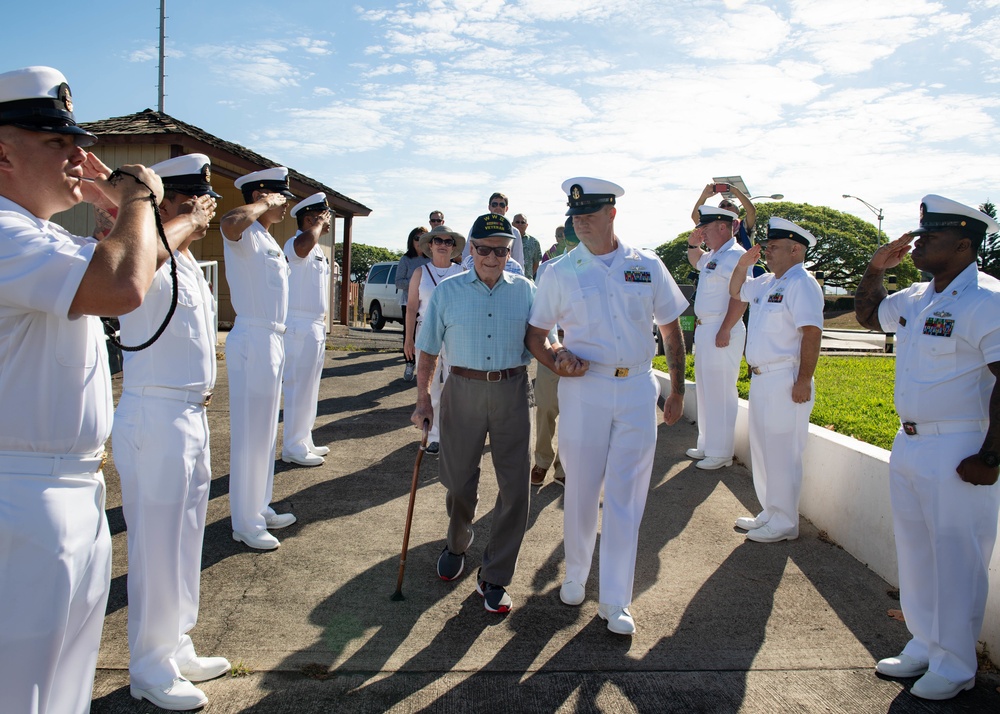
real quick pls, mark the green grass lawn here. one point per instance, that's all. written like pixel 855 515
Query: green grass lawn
pixel 853 396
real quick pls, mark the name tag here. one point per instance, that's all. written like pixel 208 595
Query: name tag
pixel 938 327
pixel 637 276
pixel 274 253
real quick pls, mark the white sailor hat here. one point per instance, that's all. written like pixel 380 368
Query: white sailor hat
pixel 781 228
pixel 710 214
pixel 938 212
pixel 316 202
pixel 489 225
pixel 589 195
pixel 273 179
pixel 190 174
pixel 38 99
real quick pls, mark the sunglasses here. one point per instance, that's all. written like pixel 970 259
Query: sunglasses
pixel 436 220
pixel 485 250
pixel 438 240
pixel 497 204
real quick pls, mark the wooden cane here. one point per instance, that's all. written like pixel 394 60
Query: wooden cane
pixel 398 595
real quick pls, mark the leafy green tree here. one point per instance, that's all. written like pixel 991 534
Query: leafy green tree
pixel 363 257
pixel 845 243
pixel 674 256
pixel 989 253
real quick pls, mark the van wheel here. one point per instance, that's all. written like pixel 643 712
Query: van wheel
pixel 375 316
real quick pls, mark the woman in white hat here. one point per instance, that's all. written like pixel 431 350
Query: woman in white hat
pixel 442 245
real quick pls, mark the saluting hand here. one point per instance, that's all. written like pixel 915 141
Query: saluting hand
pixel 749 259
pixel 890 255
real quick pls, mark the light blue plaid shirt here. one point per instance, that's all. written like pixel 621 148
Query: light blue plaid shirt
pixel 480 328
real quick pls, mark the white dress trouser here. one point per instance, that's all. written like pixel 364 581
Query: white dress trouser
pixel 945 532
pixel 161 450
pixel 305 344
pixel 607 437
pixel 715 373
pixel 778 431
pixel 255 357
pixel 55 576
pixel 438 379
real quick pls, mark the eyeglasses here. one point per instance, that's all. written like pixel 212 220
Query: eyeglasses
pixel 485 250
pixel 438 240
pixel 436 220
pixel 498 204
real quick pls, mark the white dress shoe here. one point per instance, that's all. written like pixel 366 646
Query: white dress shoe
pixel 202 669
pixel 572 593
pixel 767 534
pixel 280 520
pixel 934 686
pixel 619 619
pixel 710 463
pixel 901 665
pixel 262 540
pixel 695 454
pixel 319 450
pixel 307 459
pixel 748 523
pixel 180 696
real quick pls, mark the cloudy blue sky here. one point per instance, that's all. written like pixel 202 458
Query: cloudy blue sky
pixel 433 104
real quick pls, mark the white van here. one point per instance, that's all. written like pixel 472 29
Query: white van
pixel 381 296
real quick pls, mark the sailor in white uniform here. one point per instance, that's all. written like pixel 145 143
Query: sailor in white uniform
pixel 161 451
pixel 786 326
pixel 55 387
pixel 719 336
pixel 605 295
pixel 257 273
pixel 305 336
pixel 944 465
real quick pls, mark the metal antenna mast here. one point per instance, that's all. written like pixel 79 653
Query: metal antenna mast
pixel 163 18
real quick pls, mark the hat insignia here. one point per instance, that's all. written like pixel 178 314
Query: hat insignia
pixel 206 173
pixel 576 192
pixel 64 96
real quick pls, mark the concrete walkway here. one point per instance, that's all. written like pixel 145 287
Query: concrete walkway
pixel 725 625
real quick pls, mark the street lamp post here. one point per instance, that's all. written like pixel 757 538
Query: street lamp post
pixel 773 197
pixel 876 211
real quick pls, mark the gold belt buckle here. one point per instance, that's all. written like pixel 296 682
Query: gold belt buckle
pixel 621 371
pixel 208 400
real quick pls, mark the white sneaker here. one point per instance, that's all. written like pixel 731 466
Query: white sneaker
pixel 307 459
pixel 619 619
pixel 180 696
pixel 280 520
pixel 710 463
pixel 572 593
pixel 748 523
pixel 695 453
pixel 202 669
pixel 262 540
pixel 934 686
pixel 901 665
pixel 767 534
pixel 319 450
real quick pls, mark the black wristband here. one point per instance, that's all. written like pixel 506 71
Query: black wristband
pixel 692 247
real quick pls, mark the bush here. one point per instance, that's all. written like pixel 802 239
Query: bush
pixel 843 303
pixel 854 396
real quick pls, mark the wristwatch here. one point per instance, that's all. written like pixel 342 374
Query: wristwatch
pixel 692 247
pixel 990 458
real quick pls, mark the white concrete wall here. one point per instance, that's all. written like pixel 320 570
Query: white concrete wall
pixel 845 492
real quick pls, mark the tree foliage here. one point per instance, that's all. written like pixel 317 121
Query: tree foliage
pixel 845 244
pixel 989 253
pixel 363 257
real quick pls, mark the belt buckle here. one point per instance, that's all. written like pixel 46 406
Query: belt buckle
pixel 909 428
pixel 208 400
pixel 104 460
pixel 755 370
pixel 497 372
pixel 621 371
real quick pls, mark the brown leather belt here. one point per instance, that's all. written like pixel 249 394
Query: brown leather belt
pixel 495 375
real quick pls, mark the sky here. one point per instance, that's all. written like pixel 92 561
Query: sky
pixel 420 105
